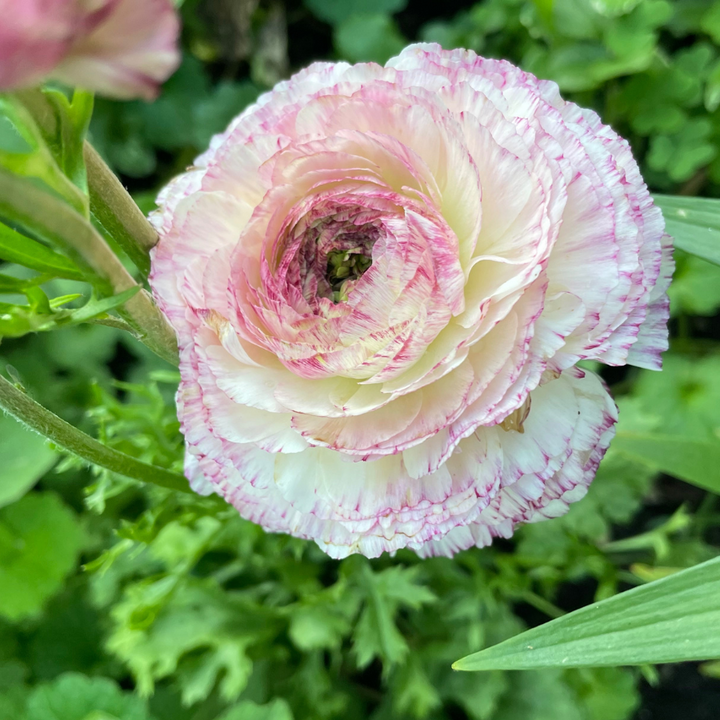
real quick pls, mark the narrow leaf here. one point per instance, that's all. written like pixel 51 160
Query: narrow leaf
pixel 101 307
pixel 10 284
pixel 20 249
pixel 669 620
pixel 695 460
pixel 72 121
pixel 694 223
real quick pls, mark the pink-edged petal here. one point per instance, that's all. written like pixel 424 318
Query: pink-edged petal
pixel 652 338
pixel 544 471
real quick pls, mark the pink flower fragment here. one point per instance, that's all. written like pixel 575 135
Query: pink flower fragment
pixel 382 280
pixel 120 48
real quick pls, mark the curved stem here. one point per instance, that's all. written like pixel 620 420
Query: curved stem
pixel 41 420
pixel 50 218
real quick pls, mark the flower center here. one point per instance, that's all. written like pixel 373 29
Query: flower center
pixel 332 253
pixel 344 267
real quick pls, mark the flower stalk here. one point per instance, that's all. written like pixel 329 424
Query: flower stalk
pixel 39 419
pixel 116 211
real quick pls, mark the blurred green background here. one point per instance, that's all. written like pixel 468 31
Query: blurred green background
pixel 124 602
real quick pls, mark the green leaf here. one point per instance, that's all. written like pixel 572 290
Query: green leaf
pixel 193 630
pixel 336 11
pixel 695 461
pixel 538 695
pixel 695 288
pixel 39 545
pixel 608 693
pixel 95 307
pixel 20 249
pixel 12 702
pixel 694 223
pixel 40 161
pixel 415 694
pixel 26 457
pixel 13 285
pixel 670 620
pixel 72 122
pixel 76 697
pixel 276 710
pixel 376 634
pixel 368 38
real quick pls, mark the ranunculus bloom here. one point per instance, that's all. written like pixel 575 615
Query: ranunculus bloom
pixel 382 280
pixel 121 48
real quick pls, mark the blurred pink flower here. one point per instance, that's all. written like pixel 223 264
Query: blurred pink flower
pixel 120 48
pixel 382 280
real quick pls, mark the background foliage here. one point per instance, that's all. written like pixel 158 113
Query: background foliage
pixel 125 602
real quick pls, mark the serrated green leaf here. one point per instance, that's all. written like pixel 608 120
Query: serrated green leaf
pixel 20 249
pixel 335 11
pixel 276 710
pixel 376 634
pixel 694 224
pixel 368 38
pixel 415 694
pixel 669 620
pixel 538 695
pixel 194 630
pixel 76 697
pixel 39 544
pixel 26 457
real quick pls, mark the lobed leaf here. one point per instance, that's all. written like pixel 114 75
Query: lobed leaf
pixel 26 457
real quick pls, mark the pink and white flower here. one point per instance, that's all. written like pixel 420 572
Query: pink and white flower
pixel 120 48
pixel 382 280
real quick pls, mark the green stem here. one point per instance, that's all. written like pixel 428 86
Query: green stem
pixel 110 202
pixel 34 416
pixel 52 219
pixel 541 604
pixel 117 212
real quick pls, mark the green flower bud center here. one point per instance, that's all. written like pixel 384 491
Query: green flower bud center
pixel 345 267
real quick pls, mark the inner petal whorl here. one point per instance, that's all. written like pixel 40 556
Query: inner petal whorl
pixel 327 255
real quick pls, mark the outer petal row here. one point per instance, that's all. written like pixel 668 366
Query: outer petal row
pixel 495 479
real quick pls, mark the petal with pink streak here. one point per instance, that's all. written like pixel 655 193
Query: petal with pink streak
pixel 589 420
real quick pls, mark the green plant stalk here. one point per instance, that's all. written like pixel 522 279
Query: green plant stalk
pixel 116 211
pixel 110 203
pixel 35 417
pixel 55 221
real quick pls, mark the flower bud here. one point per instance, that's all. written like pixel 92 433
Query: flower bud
pixel 119 48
